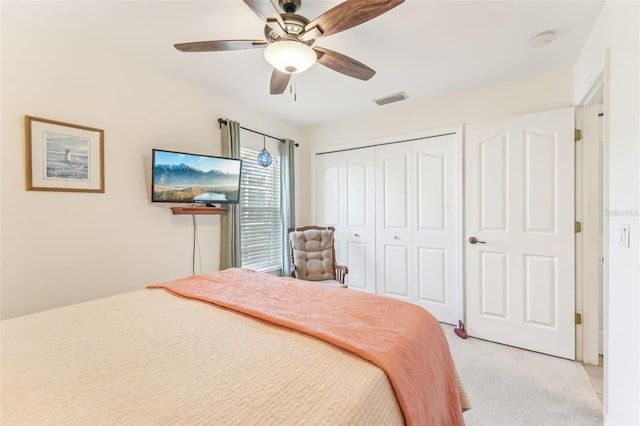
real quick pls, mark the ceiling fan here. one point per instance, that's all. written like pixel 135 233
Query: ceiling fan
pixel 289 38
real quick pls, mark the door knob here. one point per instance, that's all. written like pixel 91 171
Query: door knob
pixel 356 235
pixel 474 240
pixel 395 237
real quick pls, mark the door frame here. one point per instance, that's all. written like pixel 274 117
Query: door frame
pixel 588 301
pixel 458 130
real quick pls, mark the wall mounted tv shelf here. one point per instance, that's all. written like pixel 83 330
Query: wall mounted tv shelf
pixel 198 210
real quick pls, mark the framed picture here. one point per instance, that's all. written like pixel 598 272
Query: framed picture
pixel 63 156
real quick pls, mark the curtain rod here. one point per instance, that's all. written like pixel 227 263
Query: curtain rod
pixel 222 121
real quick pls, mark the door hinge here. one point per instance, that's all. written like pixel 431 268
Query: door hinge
pixel 577 135
pixel 578 318
pixel 578 227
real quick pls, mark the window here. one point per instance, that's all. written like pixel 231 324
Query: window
pixel 260 218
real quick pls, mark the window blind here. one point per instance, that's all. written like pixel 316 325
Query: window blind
pixel 260 217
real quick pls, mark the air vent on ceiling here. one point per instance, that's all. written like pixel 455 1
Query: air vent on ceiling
pixel 391 98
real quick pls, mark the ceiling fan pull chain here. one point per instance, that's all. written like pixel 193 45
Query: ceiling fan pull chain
pixel 293 87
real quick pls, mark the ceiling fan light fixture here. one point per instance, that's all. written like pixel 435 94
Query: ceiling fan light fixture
pixel 290 56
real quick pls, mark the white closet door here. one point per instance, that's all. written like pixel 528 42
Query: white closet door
pixel 520 282
pixel 345 199
pixel 395 263
pixel 418 228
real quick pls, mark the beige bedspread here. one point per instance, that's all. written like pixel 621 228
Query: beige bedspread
pixel 401 338
pixel 148 357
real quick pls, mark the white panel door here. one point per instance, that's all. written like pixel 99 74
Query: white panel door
pixel 329 191
pixel 418 231
pixel 519 207
pixel 437 232
pixel 395 268
pixel 345 199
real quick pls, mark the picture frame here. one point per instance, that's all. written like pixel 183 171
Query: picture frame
pixel 63 157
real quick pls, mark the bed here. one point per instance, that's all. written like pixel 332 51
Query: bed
pixel 231 347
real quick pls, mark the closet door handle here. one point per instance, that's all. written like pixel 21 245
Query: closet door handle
pixel 395 237
pixel 474 240
pixel 356 235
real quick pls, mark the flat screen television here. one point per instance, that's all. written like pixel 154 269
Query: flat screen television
pixel 180 177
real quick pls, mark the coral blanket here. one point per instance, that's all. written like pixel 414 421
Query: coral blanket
pixel 403 339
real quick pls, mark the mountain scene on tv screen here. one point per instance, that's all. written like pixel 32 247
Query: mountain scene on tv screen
pixel 184 182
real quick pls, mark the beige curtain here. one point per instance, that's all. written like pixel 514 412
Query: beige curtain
pixel 288 199
pixel 230 222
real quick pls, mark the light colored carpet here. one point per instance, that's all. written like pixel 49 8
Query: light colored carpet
pixel 514 387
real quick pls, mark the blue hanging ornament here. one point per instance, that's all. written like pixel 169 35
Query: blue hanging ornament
pixel 264 158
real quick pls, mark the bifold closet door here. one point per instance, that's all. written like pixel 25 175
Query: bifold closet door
pixel 345 199
pixel 417 224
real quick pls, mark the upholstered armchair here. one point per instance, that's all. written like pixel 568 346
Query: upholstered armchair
pixel 313 255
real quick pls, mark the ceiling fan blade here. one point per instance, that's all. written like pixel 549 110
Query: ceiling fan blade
pixel 343 64
pixel 349 14
pixel 279 81
pixel 220 45
pixel 265 10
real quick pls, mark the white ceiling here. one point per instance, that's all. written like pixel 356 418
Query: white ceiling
pixel 425 48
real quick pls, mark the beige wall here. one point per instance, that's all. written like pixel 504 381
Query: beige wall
pixel 616 36
pixel 533 93
pixel 62 248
